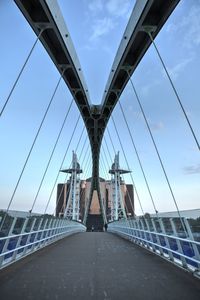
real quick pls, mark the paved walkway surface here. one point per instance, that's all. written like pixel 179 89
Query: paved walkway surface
pixel 98 266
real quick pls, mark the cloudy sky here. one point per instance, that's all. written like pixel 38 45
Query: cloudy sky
pixel 96 28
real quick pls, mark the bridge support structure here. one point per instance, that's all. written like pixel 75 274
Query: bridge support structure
pixel 117 204
pixel 72 210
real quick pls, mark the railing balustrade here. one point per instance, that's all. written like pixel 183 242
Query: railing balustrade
pixel 34 233
pixel 163 236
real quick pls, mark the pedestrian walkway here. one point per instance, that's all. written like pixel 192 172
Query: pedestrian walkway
pixel 96 265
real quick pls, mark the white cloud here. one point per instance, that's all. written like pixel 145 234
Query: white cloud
pixel 195 169
pixel 145 89
pixel 169 28
pixel 118 8
pixel 177 69
pixel 188 27
pixel 115 8
pixel 104 15
pixel 191 26
pixel 101 27
pixel 157 126
pixel 95 6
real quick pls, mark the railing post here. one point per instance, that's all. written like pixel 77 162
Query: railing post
pixel 5 246
pixel 52 231
pixel 128 228
pixel 144 231
pixel 180 249
pixel 194 246
pixel 29 237
pixel 150 235
pixel 157 238
pixel 43 232
pixel 20 238
pixel 60 230
pixel 166 239
pixel 131 229
pixel 135 232
pixel 141 227
pixel 138 233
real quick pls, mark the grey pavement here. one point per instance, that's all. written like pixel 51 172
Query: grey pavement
pixel 96 265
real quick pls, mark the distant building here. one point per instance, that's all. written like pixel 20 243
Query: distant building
pixel 106 194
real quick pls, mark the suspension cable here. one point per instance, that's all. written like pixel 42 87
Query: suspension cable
pixel 139 160
pixel 158 154
pixel 104 165
pixel 62 162
pixel 85 154
pixel 174 89
pixel 31 149
pixel 62 189
pixel 66 178
pixel 129 197
pixel 108 149
pixel 20 73
pixel 52 153
pixel 79 140
pixel 111 140
pixel 127 163
pixel 87 161
pixel 82 190
pixel 88 168
pixel 105 155
pixel 100 191
pixel 83 146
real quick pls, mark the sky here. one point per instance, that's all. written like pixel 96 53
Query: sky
pixel 96 28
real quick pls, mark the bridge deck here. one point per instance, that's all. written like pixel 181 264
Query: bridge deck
pixel 96 266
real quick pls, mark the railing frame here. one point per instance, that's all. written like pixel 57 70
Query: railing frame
pixel 134 230
pixel 53 230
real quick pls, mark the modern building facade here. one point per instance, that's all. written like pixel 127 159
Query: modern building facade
pixel 106 194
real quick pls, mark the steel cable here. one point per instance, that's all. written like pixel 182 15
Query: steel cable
pixel 52 153
pixel 175 91
pixel 127 163
pixel 139 160
pixel 20 73
pixel 62 162
pixel 158 154
pixel 30 151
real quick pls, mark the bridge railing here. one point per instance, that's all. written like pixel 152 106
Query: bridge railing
pixel 23 236
pixel 182 247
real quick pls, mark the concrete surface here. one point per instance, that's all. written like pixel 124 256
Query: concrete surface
pixel 96 265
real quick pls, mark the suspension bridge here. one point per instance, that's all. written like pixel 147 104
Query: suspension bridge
pixel 99 241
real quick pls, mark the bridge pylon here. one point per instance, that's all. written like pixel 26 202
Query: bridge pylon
pixel 72 210
pixel 117 203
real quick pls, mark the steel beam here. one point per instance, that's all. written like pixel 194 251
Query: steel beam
pixel 45 18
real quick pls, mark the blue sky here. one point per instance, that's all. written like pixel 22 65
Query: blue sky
pixel 96 28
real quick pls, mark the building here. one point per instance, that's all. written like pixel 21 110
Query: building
pixel 106 194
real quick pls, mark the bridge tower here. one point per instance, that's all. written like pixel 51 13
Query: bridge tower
pixel 117 204
pixel 72 210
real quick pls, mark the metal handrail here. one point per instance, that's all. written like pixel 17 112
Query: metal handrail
pixel 35 239
pixel 177 253
pixel 163 247
pixel 35 231
pixel 161 234
pixel 36 242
